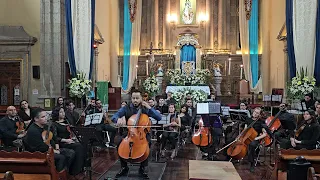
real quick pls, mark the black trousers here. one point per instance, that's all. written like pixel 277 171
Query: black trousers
pixel 69 156
pixel 171 136
pixel 79 157
pixel 252 150
pixel 109 128
pixel 143 163
pixel 59 161
pixel 216 133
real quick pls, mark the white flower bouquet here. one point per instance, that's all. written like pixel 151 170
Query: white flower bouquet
pixel 300 85
pixel 79 86
pixel 150 85
pixel 175 77
pixel 197 95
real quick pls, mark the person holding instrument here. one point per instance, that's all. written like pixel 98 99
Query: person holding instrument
pixel 128 111
pixel 34 141
pixel 25 112
pixel 306 135
pixel 288 124
pixel 261 128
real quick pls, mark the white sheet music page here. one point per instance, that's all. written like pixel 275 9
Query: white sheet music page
pixel 202 108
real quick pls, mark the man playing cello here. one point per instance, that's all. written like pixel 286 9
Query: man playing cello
pixel 128 111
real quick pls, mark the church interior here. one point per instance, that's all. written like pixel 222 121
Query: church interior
pixel 159 89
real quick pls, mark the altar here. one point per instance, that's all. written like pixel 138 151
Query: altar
pixel 174 89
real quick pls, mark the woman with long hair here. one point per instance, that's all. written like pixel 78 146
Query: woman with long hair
pixel 25 112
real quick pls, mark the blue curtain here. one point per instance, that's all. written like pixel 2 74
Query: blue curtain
pixel 93 10
pixel 188 53
pixel 290 45
pixel 127 45
pixel 72 62
pixel 317 58
pixel 254 42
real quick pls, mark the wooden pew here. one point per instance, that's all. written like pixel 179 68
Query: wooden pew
pixel 284 156
pixel 26 165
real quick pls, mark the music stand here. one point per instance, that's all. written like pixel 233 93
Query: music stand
pixel 93 119
pixel 86 136
pixel 239 115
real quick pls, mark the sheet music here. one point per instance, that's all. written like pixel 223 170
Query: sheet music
pixel 238 111
pixel 225 110
pixel 202 108
pixel 95 118
pixel 266 98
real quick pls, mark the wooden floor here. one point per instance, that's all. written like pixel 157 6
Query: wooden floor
pixel 177 168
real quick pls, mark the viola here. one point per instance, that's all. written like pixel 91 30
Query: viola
pixel 47 135
pixel 134 147
pixel 20 126
pixel 239 148
pixel 299 130
pixel 203 136
pixel 273 124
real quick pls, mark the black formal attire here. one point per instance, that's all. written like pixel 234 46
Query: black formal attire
pixel 163 109
pixel 23 115
pixel 170 101
pixel 309 104
pixel 63 132
pixel 8 129
pixel 308 137
pixel 128 111
pixel 170 133
pixel 288 125
pixel 34 142
pixel 103 127
pixel 193 113
pixel 257 126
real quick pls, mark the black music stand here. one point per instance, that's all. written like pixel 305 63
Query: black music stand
pixel 93 119
pixel 86 136
pixel 238 115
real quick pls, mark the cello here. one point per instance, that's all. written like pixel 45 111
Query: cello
pixel 134 147
pixel 203 136
pixel 273 124
pixel 239 148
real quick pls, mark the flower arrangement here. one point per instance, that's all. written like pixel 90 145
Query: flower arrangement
pixel 79 86
pixel 197 95
pixel 150 85
pixel 301 85
pixel 175 77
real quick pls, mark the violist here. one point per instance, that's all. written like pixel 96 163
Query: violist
pixel 128 111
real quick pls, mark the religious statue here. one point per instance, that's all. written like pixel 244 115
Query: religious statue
pixel 217 78
pixel 188 14
pixel 159 76
pixel 217 71
pixel 160 71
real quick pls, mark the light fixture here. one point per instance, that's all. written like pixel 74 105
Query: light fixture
pixel 172 19
pixel 203 18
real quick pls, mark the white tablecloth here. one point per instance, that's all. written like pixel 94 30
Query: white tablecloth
pixel 176 88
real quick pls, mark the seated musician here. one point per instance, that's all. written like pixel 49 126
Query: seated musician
pixel 306 135
pixel 171 131
pixel 308 102
pixel 96 107
pixel 72 116
pixel 288 124
pixel 192 112
pixel 185 119
pixel 63 134
pixel 161 106
pixel 243 106
pixel 25 112
pixel 318 112
pixel 128 111
pixel 262 131
pixel 34 141
pixel 8 127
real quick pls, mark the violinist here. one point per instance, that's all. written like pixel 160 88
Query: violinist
pixel 306 135
pixel 25 112
pixel 8 127
pixel 34 141
pixel 128 111
pixel 65 138
pixel 171 131
pixel 318 112
pixel 288 124
pixel 71 114
pixel 262 130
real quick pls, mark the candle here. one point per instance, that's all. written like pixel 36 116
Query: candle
pixel 241 71
pixel 136 71
pixel 147 67
pixel 229 70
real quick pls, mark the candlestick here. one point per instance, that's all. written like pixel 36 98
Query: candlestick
pixel 147 67
pixel 229 70
pixel 136 71
pixel 241 71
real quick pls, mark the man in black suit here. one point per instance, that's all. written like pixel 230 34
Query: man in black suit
pixel 308 102
pixel 71 115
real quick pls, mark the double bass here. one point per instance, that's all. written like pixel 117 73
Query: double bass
pixel 239 148
pixel 134 147
pixel 203 136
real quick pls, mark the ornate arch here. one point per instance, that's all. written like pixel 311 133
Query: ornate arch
pixel 187 39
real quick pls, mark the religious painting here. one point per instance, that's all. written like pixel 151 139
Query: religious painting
pixel 188 11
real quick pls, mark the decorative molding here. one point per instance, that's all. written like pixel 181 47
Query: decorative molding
pixel 282 36
pixel 248 8
pixel 132 9
pixel 15 35
pixel 188 39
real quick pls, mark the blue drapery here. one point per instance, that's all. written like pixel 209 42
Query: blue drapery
pixel 290 44
pixel 127 45
pixel 188 53
pixel 93 4
pixel 317 58
pixel 72 62
pixel 254 42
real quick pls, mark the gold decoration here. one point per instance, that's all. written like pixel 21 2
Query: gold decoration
pixel 248 8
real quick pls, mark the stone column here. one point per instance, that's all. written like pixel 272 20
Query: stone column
pixel 177 61
pixel 222 25
pixel 155 28
pixel 209 26
pixel 198 58
pixel 215 24
pixel 53 48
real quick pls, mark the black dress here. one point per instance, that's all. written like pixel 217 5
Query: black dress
pixel 61 131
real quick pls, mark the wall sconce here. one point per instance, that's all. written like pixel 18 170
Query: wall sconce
pixel 172 20
pixel 203 18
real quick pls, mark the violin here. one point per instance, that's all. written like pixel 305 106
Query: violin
pixel 203 136
pixel 299 130
pixel 239 148
pixel 273 124
pixel 47 135
pixel 20 126
pixel 134 147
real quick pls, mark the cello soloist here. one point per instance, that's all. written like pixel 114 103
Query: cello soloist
pixel 128 111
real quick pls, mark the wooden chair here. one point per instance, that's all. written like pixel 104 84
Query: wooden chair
pixel 27 166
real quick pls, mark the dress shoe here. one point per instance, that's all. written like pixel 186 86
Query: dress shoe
pixel 123 172
pixel 143 173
